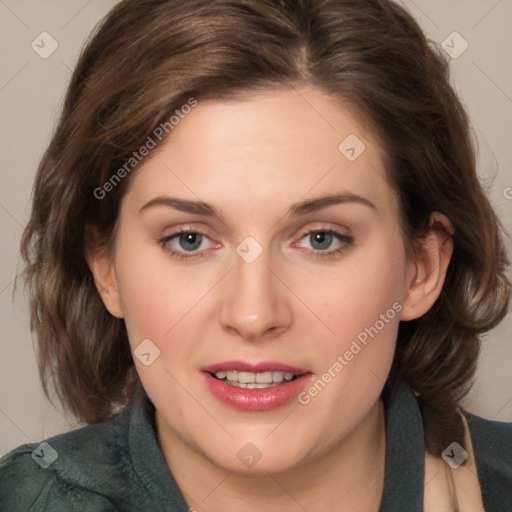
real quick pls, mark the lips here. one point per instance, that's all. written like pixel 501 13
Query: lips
pixel 255 386
pixel 263 366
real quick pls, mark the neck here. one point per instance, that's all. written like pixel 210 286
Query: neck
pixel 350 475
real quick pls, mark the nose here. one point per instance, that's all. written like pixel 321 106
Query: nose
pixel 255 303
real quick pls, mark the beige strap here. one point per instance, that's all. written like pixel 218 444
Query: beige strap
pixel 452 490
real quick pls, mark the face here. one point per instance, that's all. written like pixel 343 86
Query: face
pixel 253 247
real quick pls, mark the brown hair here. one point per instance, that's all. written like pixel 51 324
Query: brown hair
pixel 148 58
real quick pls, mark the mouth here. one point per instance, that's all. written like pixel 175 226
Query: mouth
pixel 255 387
pixel 251 380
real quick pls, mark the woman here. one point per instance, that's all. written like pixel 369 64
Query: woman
pixel 255 269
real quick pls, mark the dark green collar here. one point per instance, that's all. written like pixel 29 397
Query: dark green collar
pixel 148 459
pixel 405 451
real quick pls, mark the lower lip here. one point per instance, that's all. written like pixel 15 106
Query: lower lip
pixel 262 399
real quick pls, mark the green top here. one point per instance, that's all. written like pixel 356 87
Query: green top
pixel 117 465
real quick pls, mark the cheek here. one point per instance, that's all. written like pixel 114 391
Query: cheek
pixel 152 300
pixel 161 300
pixel 145 301
pixel 352 297
pixel 362 308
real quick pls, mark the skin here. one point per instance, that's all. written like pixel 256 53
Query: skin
pixel 251 159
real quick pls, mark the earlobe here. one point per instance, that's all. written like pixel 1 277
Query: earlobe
pixel 102 268
pixel 432 256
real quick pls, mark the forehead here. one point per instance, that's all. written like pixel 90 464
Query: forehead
pixel 277 145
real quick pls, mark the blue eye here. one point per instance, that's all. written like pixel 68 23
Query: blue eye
pixel 190 241
pixel 321 242
pixel 321 239
pixel 185 244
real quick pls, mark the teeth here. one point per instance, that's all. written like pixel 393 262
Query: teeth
pixel 246 378
pixel 254 380
pixel 264 377
pixel 251 385
pixel 277 376
pixel 232 376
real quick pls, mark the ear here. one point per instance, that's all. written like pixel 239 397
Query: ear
pixel 101 264
pixel 428 267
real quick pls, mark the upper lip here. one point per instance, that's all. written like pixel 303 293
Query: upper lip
pixel 262 366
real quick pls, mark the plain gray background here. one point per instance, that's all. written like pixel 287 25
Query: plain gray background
pixel 31 91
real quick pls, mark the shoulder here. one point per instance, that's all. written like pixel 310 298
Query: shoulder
pixel 65 471
pixel 492 446
pixel 492 442
pixel 22 486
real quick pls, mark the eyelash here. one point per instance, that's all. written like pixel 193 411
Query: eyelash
pixel 346 241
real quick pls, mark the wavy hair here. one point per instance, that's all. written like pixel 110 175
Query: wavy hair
pixel 146 59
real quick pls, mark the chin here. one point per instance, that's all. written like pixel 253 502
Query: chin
pixel 255 455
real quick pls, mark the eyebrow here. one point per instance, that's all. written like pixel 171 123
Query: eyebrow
pixel 296 209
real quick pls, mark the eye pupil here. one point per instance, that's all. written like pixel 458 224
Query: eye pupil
pixel 190 241
pixel 321 238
